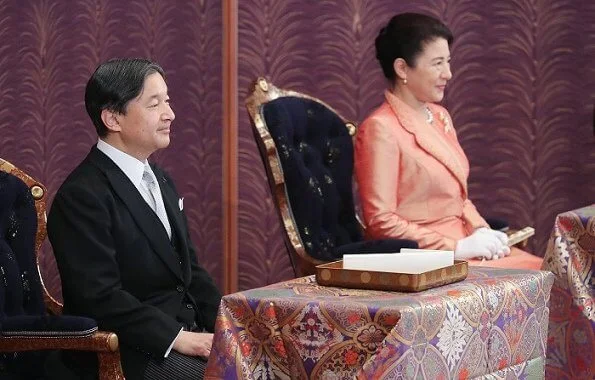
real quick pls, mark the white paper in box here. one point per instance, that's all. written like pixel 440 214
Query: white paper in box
pixel 410 261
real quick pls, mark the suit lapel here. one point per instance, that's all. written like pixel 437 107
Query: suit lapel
pixel 428 139
pixel 142 213
pixel 174 215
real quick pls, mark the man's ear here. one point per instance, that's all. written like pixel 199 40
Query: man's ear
pixel 111 121
pixel 401 68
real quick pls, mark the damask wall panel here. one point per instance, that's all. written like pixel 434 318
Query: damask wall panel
pixel 42 79
pixel 272 41
pixel 45 129
pixel 7 91
pixel 347 73
pixel 521 97
pixel 533 84
pixel 196 91
pixel 586 125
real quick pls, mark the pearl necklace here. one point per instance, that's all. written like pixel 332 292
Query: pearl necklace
pixel 429 115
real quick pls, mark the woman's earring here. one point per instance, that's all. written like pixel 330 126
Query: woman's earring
pixel 405 81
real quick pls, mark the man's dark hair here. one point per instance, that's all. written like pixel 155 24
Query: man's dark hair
pixel 114 84
pixel 404 37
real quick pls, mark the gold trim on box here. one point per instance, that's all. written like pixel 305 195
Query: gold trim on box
pixel 333 274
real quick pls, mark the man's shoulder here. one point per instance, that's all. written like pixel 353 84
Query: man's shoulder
pixel 83 187
pixel 86 174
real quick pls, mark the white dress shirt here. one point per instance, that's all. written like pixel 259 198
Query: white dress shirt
pixel 134 169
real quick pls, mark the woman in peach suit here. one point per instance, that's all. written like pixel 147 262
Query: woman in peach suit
pixel 410 169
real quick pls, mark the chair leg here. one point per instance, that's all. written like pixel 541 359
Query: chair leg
pixel 109 366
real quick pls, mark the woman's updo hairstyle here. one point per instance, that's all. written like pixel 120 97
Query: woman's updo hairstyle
pixel 404 37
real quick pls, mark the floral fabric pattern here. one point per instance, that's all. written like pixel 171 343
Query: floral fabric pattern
pixel 453 336
pixel 570 256
pixel 493 325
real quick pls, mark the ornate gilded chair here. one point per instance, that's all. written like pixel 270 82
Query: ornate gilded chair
pixel 307 151
pixel 31 323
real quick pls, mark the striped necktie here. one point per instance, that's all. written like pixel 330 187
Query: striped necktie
pixel 156 198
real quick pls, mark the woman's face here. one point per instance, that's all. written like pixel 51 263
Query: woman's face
pixel 427 80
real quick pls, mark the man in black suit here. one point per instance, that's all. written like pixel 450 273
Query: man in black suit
pixel 120 236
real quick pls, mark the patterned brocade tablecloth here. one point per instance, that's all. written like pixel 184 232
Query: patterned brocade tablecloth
pixel 570 256
pixel 492 325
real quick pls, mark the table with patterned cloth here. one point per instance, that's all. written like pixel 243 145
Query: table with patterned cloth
pixel 570 256
pixel 492 325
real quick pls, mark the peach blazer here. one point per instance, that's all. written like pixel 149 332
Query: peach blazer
pixel 412 177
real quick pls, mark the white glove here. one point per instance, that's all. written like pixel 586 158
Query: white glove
pixel 479 244
pixel 505 250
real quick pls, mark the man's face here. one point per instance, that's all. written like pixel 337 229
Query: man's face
pixel 146 125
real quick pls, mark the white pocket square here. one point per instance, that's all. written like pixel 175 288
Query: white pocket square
pixel 181 203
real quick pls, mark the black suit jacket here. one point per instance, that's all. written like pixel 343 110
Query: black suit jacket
pixel 118 266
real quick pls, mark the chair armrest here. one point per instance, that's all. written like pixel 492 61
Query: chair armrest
pixel 47 325
pixel 63 332
pixel 105 344
pixel 97 341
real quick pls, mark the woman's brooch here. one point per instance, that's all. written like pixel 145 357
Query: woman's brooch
pixel 445 120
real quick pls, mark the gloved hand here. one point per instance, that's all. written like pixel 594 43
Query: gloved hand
pixel 479 244
pixel 505 250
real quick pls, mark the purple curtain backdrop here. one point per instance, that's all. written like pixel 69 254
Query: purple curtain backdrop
pixel 48 50
pixel 522 98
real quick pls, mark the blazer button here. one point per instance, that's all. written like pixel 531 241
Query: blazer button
pixel 188 306
pixel 180 288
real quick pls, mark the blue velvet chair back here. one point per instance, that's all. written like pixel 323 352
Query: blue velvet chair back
pixel 316 154
pixel 21 293
pixel 307 150
pixel 20 285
